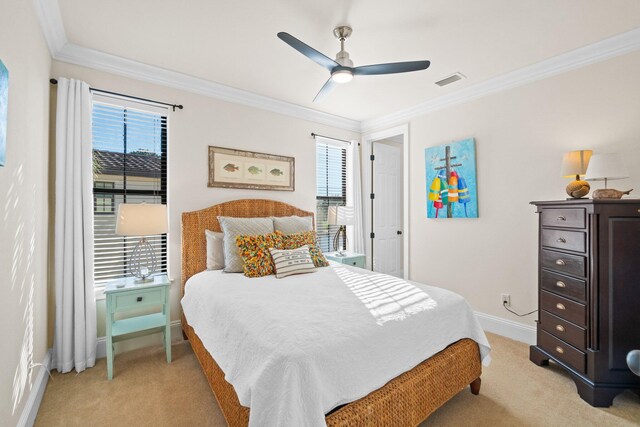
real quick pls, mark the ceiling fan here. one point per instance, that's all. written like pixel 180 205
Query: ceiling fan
pixel 342 69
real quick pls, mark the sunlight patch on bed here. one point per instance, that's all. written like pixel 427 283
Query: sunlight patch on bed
pixel 386 297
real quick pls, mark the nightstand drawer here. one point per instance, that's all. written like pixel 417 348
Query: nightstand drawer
pixel 562 351
pixel 564 285
pixel 564 308
pixel 564 239
pixel 564 330
pixel 569 218
pixel 357 262
pixel 138 299
pixel 563 263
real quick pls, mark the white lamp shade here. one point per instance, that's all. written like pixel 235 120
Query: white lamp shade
pixel 575 163
pixel 606 166
pixel 341 215
pixel 141 219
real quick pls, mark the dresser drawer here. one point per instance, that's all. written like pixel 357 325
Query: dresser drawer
pixel 138 299
pixel 564 308
pixel 574 265
pixel 564 285
pixel 564 239
pixel 563 330
pixel 563 352
pixel 567 217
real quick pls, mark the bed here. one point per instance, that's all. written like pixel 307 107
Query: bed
pixel 405 400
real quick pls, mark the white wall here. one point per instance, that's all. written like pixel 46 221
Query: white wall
pixel 206 121
pixel 520 135
pixel 23 200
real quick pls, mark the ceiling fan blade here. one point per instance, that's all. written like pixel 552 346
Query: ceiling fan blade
pixel 308 51
pixel 392 68
pixel 324 91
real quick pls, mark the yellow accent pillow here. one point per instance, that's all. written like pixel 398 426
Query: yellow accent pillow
pixel 254 250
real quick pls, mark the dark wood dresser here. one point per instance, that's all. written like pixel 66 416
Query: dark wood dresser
pixel 589 293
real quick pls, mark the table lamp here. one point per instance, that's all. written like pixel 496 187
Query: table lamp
pixel 606 167
pixel 142 220
pixel 574 164
pixel 342 216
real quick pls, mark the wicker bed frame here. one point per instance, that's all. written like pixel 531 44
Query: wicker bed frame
pixel 406 400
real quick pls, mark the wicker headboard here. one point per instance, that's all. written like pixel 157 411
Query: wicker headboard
pixel 194 243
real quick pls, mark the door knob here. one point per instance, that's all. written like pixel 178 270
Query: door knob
pixel 398 232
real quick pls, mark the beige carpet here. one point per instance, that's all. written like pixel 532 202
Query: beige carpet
pixel 146 391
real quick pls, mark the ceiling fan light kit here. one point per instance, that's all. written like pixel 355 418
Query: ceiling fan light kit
pixel 342 69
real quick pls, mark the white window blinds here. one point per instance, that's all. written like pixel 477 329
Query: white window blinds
pixel 129 166
pixel 331 184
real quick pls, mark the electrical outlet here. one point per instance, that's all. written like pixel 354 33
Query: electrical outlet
pixel 505 299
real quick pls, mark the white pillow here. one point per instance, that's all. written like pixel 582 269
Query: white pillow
pixel 292 261
pixel 215 250
pixel 292 224
pixel 234 227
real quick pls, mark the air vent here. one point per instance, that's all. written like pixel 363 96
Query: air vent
pixel 448 80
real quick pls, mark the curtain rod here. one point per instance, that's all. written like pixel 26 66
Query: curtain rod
pixel 173 106
pixel 328 137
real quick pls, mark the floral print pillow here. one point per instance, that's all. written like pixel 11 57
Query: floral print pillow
pixel 296 240
pixel 254 250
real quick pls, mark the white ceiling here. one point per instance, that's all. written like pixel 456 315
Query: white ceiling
pixel 235 43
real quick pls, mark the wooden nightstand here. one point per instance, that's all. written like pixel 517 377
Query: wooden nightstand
pixel 349 258
pixel 125 295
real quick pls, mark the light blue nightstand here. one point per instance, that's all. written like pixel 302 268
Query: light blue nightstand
pixel 125 295
pixel 349 258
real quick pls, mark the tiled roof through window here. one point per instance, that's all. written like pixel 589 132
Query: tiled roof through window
pixel 137 164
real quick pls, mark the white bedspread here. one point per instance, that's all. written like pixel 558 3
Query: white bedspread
pixel 297 347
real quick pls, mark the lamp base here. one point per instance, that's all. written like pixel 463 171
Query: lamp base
pixel 142 263
pixel 578 189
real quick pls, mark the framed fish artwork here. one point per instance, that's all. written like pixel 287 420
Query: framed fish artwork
pixel 229 168
pixel 452 188
pixel 4 103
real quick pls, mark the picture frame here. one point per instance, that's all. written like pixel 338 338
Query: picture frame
pixel 451 182
pixel 231 168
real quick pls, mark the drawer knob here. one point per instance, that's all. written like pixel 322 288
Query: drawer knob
pixel 559 328
pixel 561 240
pixel 560 306
pixel 560 262
pixel 139 299
pixel 560 350
pixel 561 284
pixel 562 218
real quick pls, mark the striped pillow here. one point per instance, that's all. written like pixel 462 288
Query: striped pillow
pixel 292 261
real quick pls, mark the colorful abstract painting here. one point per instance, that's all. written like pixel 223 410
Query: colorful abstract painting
pixel 4 100
pixel 452 189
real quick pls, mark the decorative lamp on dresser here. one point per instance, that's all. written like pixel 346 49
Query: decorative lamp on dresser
pixel 589 293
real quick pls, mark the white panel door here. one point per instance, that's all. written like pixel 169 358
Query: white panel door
pixel 387 209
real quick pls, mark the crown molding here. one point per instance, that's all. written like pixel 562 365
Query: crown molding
pixel 92 58
pixel 596 52
pixel 48 12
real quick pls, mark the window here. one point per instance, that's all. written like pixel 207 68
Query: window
pixel 129 166
pixel 103 203
pixel 331 183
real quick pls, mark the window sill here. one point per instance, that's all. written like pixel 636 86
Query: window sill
pixel 99 292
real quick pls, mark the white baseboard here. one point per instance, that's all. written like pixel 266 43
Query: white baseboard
pixel 176 336
pixel 30 410
pixel 507 328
